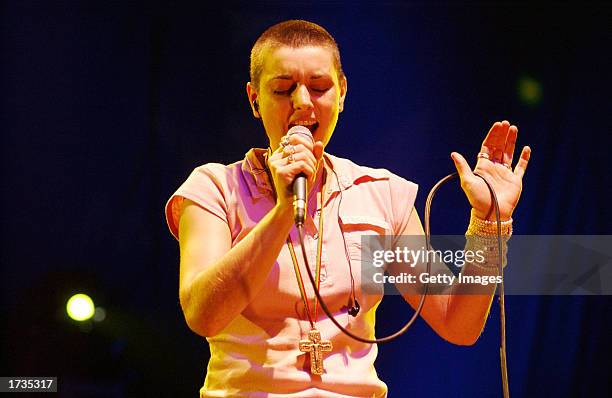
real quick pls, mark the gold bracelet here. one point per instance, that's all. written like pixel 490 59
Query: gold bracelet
pixel 489 249
pixel 480 228
pixel 482 235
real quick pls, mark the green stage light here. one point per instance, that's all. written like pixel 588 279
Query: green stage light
pixel 80 307
pixel 529 91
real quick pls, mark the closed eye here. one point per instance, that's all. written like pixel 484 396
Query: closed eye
pixel 286 92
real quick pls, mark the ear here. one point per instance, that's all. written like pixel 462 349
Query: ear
pixel 252 94
pixel 343 89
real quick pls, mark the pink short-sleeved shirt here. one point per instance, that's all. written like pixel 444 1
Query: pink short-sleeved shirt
pixel 257 354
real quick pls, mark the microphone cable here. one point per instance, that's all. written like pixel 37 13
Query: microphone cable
pixel 393 336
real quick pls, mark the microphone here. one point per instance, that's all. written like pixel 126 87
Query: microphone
pixel 299 184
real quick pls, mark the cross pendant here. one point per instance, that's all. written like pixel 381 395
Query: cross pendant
pixel 315 346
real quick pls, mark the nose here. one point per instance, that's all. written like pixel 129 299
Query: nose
pixel 301 98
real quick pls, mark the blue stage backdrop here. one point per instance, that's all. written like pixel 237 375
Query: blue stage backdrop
pixel 107 106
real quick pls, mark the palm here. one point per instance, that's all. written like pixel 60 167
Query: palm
pixel 494 164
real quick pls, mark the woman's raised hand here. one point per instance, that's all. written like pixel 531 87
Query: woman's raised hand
pixel 494 162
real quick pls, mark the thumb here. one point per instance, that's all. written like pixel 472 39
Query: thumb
pixel 463 168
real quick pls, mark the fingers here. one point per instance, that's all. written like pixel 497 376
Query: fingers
pixel 500 142
pixel 296 154
pixel 462 166
pixel 301 166
pixel 510 144
pixel 298 146
pixel 495 141
pixel 521 166
pixel 298 139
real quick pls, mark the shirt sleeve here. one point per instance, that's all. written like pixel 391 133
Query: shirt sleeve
pixel 403 197
pixel 204 187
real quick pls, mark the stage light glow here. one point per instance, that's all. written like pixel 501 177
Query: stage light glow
pixel 529 91
pixel 99 314
pixel 80 307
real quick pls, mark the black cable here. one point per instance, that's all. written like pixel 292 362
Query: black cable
pixel 354 309
pixel 502 315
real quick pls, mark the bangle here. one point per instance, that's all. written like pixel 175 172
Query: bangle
pixel 482 235
pixel 489 249
pixel 482 228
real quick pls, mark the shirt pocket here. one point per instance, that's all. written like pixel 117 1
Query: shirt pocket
pixel 363 235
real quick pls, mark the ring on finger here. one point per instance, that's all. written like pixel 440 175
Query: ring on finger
pixel 483 155
pixel 290 157
pixel 284 141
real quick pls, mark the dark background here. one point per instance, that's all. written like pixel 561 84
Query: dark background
pixel 107 106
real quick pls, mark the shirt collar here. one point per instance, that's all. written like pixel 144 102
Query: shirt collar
pixel 337 169
pixel 254 170
pixel 349 173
